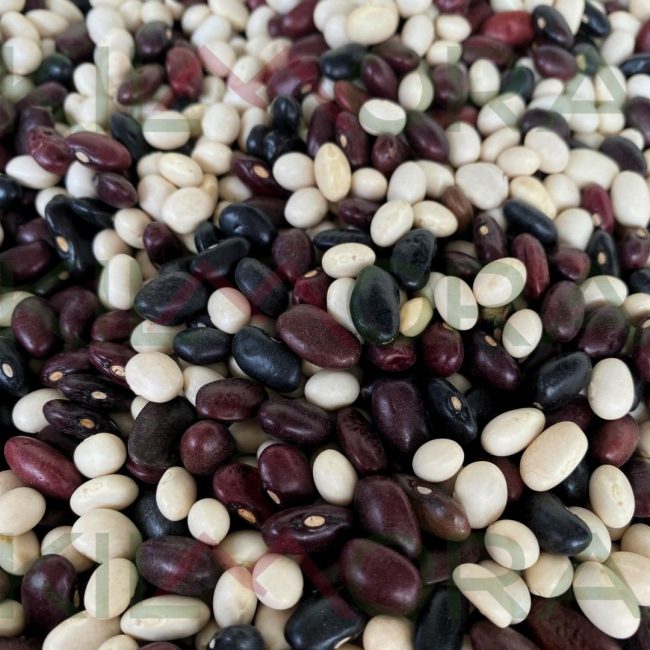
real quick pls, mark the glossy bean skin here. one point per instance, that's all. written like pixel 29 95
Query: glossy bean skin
pixel 266 360
pixel 357 212
pixel 286 475
pixel 95 392
pixel 550 24
pixel 574 489
pixel 637 114
pixel 426 138
pixel 604 333
pixel 241 220
pixel 451 84
pixel 448 409
pixel 160 243
pixel 435 510
pixel 49 149
pixel 14 378
pixel 559 380
pixel 596 199
pixel 603 253
pixel 42 467
pixel 245 637
pixel 99 151
pixel 293 254
pixel 202 345
pixel 184 71
pixel 230 400
pixel 141 84
pixel 399 415
pixel 178 565
pixel 389 152
pixel 394 357
pixel 488 238
pixel 297 78
pixel 127 130
pixel 342 62
pixel 378 77
pixel 295 422
pixel 329 238
pixel 638 473
pixel 48 592
pixel 625 153
pixel 443 617
pixel 411 258
pixel 352 139
pixel 442 349
pixel 76 316
pixel 633 248
pixel 490 362
pixel 438 562
pixel 614 441
pixel 261 286
pixel 520 80
pixel 146 515
pixel 386 514
pixel 511 473
pixel 62 364
pixel 35 327
pixel 204 446
pixel 321 129
pixel 576 410
pixel 642 352
pixel 360 444
pixel 311 289
pixel 550 120
pixel 109 359
pixel 487 636
pixel 77 420
pixel 152 39
pixel 239 487
pixel 308 529
pixel 557 529
pixel 527 249
pixel 323 621
pixel 568 263
pixel 524 218
pixel 156 431
pixel 553 61
pixel 315 336
pixel 563 311
pixel 30 118
pixel 484 47
pixel 115 190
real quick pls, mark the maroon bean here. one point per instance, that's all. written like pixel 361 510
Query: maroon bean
pixel 34 325
pixel 299 21
pixel 483 47
pixel 511 27
pixel 388 153
pixel 316 337
pixel 400 57
pixel 76 316
pixel 184 72
pixel 239 487
pixel 445 117
pixel 99 151
pixel 614 441
pixel 311 289
pixel 286 475
pixel 397 356
pixel 642 350
pixel 437 564
pixel 34 230
pixel 256 174
pixel 293 254
pixel 145 474
pixel 386 514
pixel 352 139
pixel 553 61
pixel 42 467
pixel 349 97
pixel 179 565
pixel 452 86
pixel 21 643
pixel 570 264
pixel 20 264
pixel 75 42
pixel 114 326
pixel 161 243
pixel 633 247
pixel 637 116
pixel 379 579
pixel 643 38
pixel 298 78
pixel 457 202
pixel 50 95
pixel 62 364
pixel 487 636
pixel 152 39
pixel 604 333
pixel 95 391
pixel 295 422
pixel 141 84
pixel 311 45
pixel 489 361
pixel 321 127
pixel 115 190
pixel 205 446
pixel 77 420
pixel 230 400
pixel 577 410
pixel 52 436
pixel 426 137
pixel 528 249
pixel 110 359
pixel 160 645
pixel 489 238
pixel 641 639
pixel 378 77
pixel 442 349
pixel 48 147
pixel 360 444
pixel 596 200
pixel 563 311
pixel 398 412
pixel 307 529
pixel 638 473
pixel 48 592
pixel 30 118
pixel 514 484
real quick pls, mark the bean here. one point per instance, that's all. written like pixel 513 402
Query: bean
pixel 611 496
pixel 261 286
pixel 449 409
pixel 559 380
pixel 113 491
pixel 245 637
pixel 327 239
pixel 146 515
pixel 119 536
pixel 293 254
pixel 332 172
pixel 347 259
pixel 620 389
pixel 205 446
pixel 77 420
pixel 334 477
pixel 176 493
pixel 563 311
pixel 601 545
pixel 35 327
pixel 359 442
pixel 119 578
pixel 285 474
pixel 277 581
pixel 512 431
pixel 80 631
pixel 234 600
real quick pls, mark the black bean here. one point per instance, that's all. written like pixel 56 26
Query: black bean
pixel 10 191
pixel 604 256
pixel 14 377
pixel 216 264
pixel 329 238
pixel 145 514
pixel 587 57
pixel 77 420
pixel 525 218
pixel 202 346
pixel 595 22
pixel 411 258
pixel 206 235
pixel 549 23
pixel 285 113
pixel 342 62
pixel 574 489
pixel 443 618
pixel 539 117
pixel 242 637
pixel 241 220
pixel 560 380
pixel 520 80
pixel 263 288
pixel 95 391
pixel 450 411
pixel 624 153
pixel 127 130
pixel 255 141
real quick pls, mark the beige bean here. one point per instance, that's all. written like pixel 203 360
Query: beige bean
pixel 347 260
pixel 531 190
pixel 153 191
pixel 379 116
pixel 415 315
pixel 415 91
pixel 204 636
pixel 180 170
pixel 601 290
pixel 105 534
pixel 294 171
pixel 522 333
pixel 9 481
pixel 58 541
pixel 212 157
pixel 391 222
pixel 562 190
pixel 373 22
pixel 229 309
pixel 482 492
pixel 636 539
pixel 637 308
pixel 550 576
pixel 99 455
pixel 306 208
pixel 499 282
pixel 332 172
pixel 277 581
pixel 511 544
pixel 338 302
pixel 120 281
pixel 113 491
pixel 631 199
pixel 611 389
pixel 186 208
pixel 455 302
pixel 575 227
pixel 110 588
pixel 407 184
pixel 208 521
pixel 270 624
pixel 119 642
pixel 498 142
pixel 130 224
pixel 20 510
pixel 388 633
pixel 334 477
pixel 12 618
pixel 464 143
pixel 601 545
pixel 435 217
pixel 176 493
pixel 17 554
pixel 369 184
pixel 166 130
pixel 332 389
pixel 8 302
pixel 634 570
pixel 154 376
pixel 501 111
pixel 28 172
pixel 589 166
pixel 484 81
pixel 241 548
pixel 518 161
pixel 516 597
pixel 611 496
pixel 438 177
pixel 551 150
pixel 81 632
pixel 234 599
pixel 194 378
pixel 151 337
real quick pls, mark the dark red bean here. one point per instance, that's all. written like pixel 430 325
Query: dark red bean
pixel 152 39
pixel 316 337
pixel 307 529
pixel 50 95
pixel 638 473
pixel 311 45
pixel 349 97
pixel 298 78
pixel 48 592
pixel 378 77
pixel 75 42
pixel 293 254
pixel 426 137
pixel 442 349
pixel 633 246
pixel 400 57
pixel 311 289
pixel 379 579
pixel 42 467
pixel 161 243
pixel 205 446
pixel 487 636
pixel 110 359
pixel 179 565
pixel 62 364
pixel 115 326
pixel 614 441
pixel 455 200
pixel 99 151
pixel 115 190
pixel 95 391
pixel 529 250
pixel 437 564
pixel 604 333
pixel 637 116
pixel 299 21
pixel 642 350
pixel 452 86
pixel 48 147
pixel 77 420
pixel 576 410
pixel 511 27
pixel 230 400
pixel 361 445
pixel 29 119
pixel 160 645
pixel 488 238
pixel 184 72
pixel 141 84
pixel 483 47
pixel 489 362
pixel 643 38
pixel 76 316
pixel 596 200
pixel 295 422
pixel 20 264
pixel 388 153
pixel 34 324
pixel 386 514
pixel 256 174
pixel 514 484
pixel 286 475
pixel 352 139
pixel 570 264
pixel 34 230
pixel 553 61
pixel 397 356
pixel 321 129
pixel 52 436
pixel 239 487
pixel 563 311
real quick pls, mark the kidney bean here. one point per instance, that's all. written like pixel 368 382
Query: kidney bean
pixel 511 27
pixel 311 45
pixel 293 254
pixel 560 379
pixel 389 151
pixel 524 218
pixel 321 128
pixel 34 325
pixel 154 438
pixel 484 47
pixel 348 97
pixel 239 487
pixel 365 567
pixel 95 391
pixel 184 72
pixel 488 238
pixel 77 420
pixel 307 529
pixel 487 636
pixel 115 190
pixel 202 345
pixel 514 483
pixel 386 514
pixel 555 62
pixel 569 264
pixel 50 94
pixel 230 400
pixel 395 357
pixel 285 474
pixel 95 212
pixel 550 24
pixel 633 247
pixel 110 360
pixel 519 80
pixel 541 118
pixel 146 515
pixel 127 130
pixel 448 409
pixel 20 264
pixel 76 315
pixel 152 39
pixel 62 364
pixel 361 445
pixel 442 349
pixel 14 376
pixel 637 116
pixel 563 311
pixel 352 139
pixel 638 473
pixel 577 410
pixel 178 565
pixel 311 289
pixel 444 618
pixel 490 363
pixel 205 446
pixel 452 86
pixel 42 467
pixel 30 118
pixel 255 173
pixel 614 441
pixel 141 84
pixel 75 43
pixel 643 38
pixel 426 137
pixel 49 149
pixel 378 77
pixel 295 422
pixel 358 212
pixel 642 351
pixel 298 78
pixel 113 326
pixel 596 200
pixel 48 592
pixel 604 256
pixel 261 286
pixel 10 191
pixel 162 245
pixel 604 333
pixel 342 62
pixel 33 231
pixel 99 151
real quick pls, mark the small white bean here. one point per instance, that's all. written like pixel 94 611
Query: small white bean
pixel 112 491
pixel 482 492
pixel 334 477
pixel 611 389
pixel 100 455
pixel 229 310
pixel 120 281
pixel 80 632
pixel 511 544
pixel 611 496
pixel 631 199
pixel 110 588
pixel 391 222
pixel 294 171
pixel 601 545
pixel 103 534
pixel 347 260
pixel 332 172
pixel 499 282
pixel 455 302
pixel 438 460
pixel 306 208
pixel 208 521
pixel 372 22
pixel 234 599
pixel 186 208
pixel 20 510
pixel 484 184
pixel 511 432
pixel 166 130
pixel 435 217
pixel 522 333
pixel 277 581
pixel 332 389
pixel 154 376
pixel 176 493
pixel 379 116
pixel 30 174
pixel 27 414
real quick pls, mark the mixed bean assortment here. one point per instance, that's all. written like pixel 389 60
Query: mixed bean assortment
pixel 325 324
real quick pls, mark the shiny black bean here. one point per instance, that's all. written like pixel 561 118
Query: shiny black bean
pixel 450 411
pixel 520 80
pixel 342 62
pixel 539 117
pixel 206 235
pixel 574 489
pixel 443 618
pixel 636 64
pixel 604 256
pixel 62 364
pixel 202 346
pixel 595 22
pixel 563 311
pixel 639 281
pixel 266 360
pixel 624 153
pixel 587 57
pixel 10 191
pixel 77 420
pixel 285 113
pixel 411 258
pixel 242 637
pixel 263 288
pixel 153 442
pixel 255 141
pixel 549 23
pixel 525 218
pixel 127 131
pixel 278 142
pixel 55 67
pixel 241 220
pixel 560 380
pixel 95 391
pixel 14 376
pixel 145 514
pixel 35 327
pixel 329 238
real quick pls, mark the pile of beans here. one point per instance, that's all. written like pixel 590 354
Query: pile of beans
pixel 325 324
